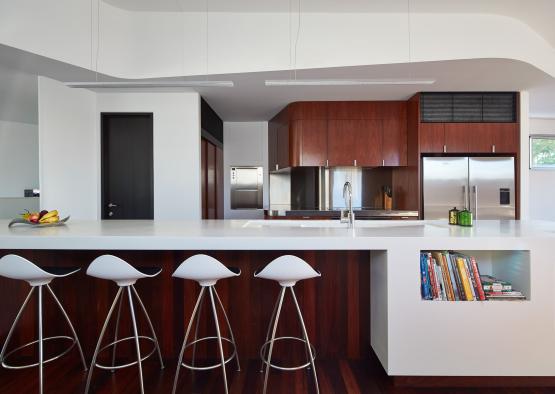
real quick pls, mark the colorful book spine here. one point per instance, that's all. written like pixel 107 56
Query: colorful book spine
pixel 452 275
pixel 433 281
pixel 469 276
pixel 464 279
pixel 476 272
pixel 460 289
pixel 424 278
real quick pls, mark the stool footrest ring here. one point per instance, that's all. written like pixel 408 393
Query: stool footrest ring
pixel 295 368
pixel 64 337
pixel 114 367
pixel 233 354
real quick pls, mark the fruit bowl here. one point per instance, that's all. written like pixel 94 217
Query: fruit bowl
pixel 40 219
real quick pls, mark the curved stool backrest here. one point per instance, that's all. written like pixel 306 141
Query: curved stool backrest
pixel 116 269
pixel 17 267
pixel 204 269
pixel 287 270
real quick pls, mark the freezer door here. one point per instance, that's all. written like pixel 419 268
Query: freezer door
pixel 445 185
pixel 492 187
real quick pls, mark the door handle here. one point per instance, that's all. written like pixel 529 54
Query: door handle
pixel 110 205
pixel 465 197
pixel 475 190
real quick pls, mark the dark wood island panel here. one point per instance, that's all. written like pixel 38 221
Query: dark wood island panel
pixel 336 307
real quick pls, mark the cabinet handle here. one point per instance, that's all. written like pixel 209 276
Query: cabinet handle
pixel 444 148
pixel 493 148
pixel 383 162
pixel 355 162
pixel 277 167
pixel 327 163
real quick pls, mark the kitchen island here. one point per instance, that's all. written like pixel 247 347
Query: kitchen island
pixel 368 295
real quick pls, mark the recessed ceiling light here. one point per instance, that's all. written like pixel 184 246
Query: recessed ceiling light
pixel 347 82
pixel 125 85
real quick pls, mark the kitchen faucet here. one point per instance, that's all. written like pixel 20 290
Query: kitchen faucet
pixel 347 215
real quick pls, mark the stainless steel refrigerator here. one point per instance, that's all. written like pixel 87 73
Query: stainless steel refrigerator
pixel 484 185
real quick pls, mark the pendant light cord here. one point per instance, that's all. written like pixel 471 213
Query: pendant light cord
pixel 409 38
pixel 97 38
pixel 206 50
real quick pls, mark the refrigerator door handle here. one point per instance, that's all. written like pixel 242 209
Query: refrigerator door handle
pixel 475 190
pixel 466 201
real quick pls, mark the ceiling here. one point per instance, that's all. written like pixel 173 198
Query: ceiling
pixel 536 13
pixel 251 100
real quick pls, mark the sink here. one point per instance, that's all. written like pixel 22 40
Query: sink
pixel 332 224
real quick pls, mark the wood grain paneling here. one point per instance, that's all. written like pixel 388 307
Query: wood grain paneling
pixel 331 304
pixel 311 142
pixel 394 146
pixel 457 137
pixel 432 137
pixel 341 140
pixel 368 143
pixel 312 110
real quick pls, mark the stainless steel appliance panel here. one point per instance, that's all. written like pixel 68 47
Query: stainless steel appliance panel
pixel 337 178
pixel 246 187
pixel 445 185
pixel 492 187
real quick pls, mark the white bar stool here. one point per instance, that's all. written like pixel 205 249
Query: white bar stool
pixel 113 268
pixel 287 270
pixel 206 271
pixel 16 267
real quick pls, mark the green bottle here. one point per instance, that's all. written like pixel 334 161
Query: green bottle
pixel 465 218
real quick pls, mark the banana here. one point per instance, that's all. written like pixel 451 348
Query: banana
pixel 49 215
pixel 51 219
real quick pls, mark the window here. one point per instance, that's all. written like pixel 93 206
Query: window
pixel 542 152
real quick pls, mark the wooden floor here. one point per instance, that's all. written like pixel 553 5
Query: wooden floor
pixel 335 376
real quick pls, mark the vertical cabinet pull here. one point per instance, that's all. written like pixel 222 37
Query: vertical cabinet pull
pixel 493 148
pixel 383 162
pixel 355 162
pixel 327 163
pixel 444 148
pixel 277 167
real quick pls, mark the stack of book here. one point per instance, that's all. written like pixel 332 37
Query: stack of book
pixel 451 276
pixel 496 289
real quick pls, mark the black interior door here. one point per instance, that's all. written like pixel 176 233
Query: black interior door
pixel 127 166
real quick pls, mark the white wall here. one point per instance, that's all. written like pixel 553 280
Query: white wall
pixel 245 144
pixel 68 150
pixel 524 155
pixel 177 193
pixel 69 138
pixel 19 158
pixel 542 182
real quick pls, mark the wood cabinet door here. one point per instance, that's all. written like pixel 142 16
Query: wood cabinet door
pixel 272 146
pixel 309 142
pixel 505 137
pixel 394 145
pixel 480 137
pixel 457 137
pixel 342 139
pixel 368 143
pixel 432 137
pixel 283 145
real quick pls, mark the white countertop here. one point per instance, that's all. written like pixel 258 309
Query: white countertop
pixel 273 235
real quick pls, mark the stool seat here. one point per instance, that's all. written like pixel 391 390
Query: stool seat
pixel 17 267
pixel 120 271
pixel 287 270
pixel 205 270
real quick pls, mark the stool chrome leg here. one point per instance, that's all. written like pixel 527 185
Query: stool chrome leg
pixel 278 311
pixel 196 330
pixel 230 330
pixel 116 334
pixel 179 360
pixel 70 326
pixel 269 330
pixel 150 325
pixel 41 355
pixel 305 334
pixel 10 333
pixel 102 332
pixel 136 332
pixel 219 336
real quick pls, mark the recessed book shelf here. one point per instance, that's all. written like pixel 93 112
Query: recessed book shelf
pixel 475 275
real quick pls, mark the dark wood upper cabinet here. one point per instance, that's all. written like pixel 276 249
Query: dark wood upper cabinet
pixel 432 137
pixel 342 138
pixel 309 145
pixel 368 143
pixel 457 137
pixel 394 144
pixel 342 133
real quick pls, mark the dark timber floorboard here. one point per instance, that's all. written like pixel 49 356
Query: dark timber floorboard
pixel 336 376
